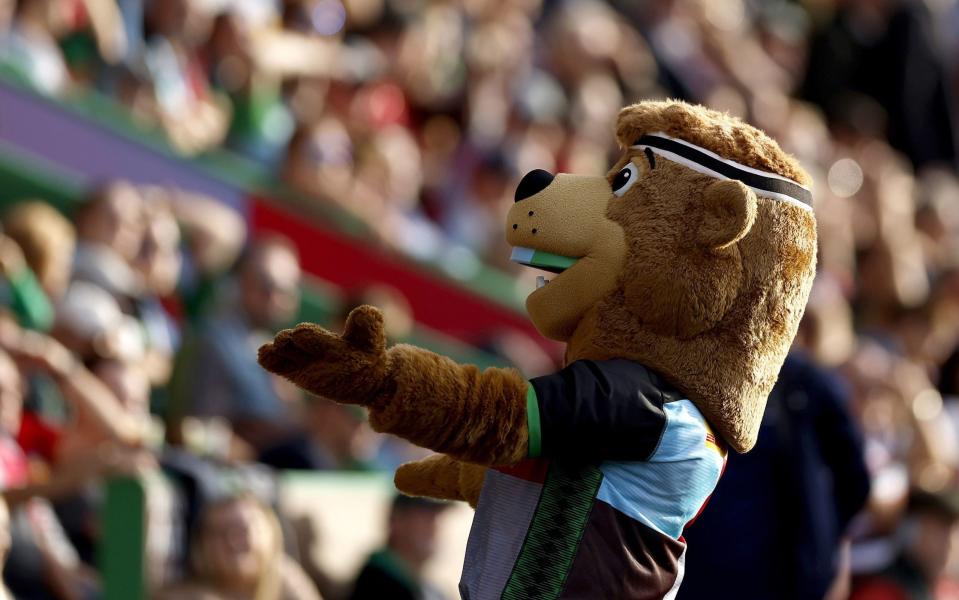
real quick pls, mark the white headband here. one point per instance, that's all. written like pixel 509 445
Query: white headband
pixel 767 185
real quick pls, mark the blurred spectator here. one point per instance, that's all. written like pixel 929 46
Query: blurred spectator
pixel 99 419
pixel 91 323
pixel 22 292
pixel 213 235
pixel 47 241
pixel 125 389
pixel 336 439
pixel 787 502
pixel 238 554
pixel 110 231
pixel 107 422
pixel 217 371
pixel 396 570
pixel 925 543
pixel 885 51
pixel 260 123
pixel 31 43
pixel 194 118
pixel 41 562
pixel 474 218
pixel 159 263
pixel 319 161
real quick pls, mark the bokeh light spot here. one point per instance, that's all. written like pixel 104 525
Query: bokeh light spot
pixel 845 177
pixel 328 17
pixel 927 405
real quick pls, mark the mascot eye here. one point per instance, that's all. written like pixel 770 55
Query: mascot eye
pixel 625 179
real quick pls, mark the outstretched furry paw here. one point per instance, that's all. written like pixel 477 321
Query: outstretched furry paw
pixel 350 368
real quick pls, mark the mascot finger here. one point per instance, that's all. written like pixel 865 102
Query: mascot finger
pixel 364 329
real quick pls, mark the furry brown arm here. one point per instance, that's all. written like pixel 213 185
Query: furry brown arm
pixel 476 416
pixel 430 400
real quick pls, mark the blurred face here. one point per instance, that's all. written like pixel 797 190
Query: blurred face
pixel 236 542
pixel 6 13
pixel 229 47
pixel 57 270
pixel 401 155
pixel 269 285
pixel 932 543
pixel 48 242
pixel 322 163
pixel 229 37
pixel 338 428
pixel 491 186
pixel 159 259
pixel 11 396
pixel 128 383
pixel 413 533
pixel 169 17
pixel 116 221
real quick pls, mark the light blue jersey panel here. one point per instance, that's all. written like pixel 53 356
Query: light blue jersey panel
pixel 669 489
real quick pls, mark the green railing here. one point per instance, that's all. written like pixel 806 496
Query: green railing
pixel 25 178
pixel 122 550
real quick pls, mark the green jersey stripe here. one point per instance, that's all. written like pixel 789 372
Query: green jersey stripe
pixel 532 423
pixel 554 534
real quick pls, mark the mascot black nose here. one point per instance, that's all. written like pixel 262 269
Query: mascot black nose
pixel 532 183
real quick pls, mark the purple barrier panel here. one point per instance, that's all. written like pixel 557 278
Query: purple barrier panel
pixel 39 127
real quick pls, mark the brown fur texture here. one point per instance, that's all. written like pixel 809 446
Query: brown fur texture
pixel 471 482
pixel 730 312
pixel 436 476
pixel 726 136
pixel 729 211
pixel 714 280
pixel 476 416
pixel 351 368
pixel 442 477
pixel 473 415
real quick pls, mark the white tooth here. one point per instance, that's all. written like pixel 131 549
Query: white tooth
pixel 540 281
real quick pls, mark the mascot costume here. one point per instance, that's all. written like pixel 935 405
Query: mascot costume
pixel 680 279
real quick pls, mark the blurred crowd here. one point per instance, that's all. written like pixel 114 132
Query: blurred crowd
pixel 127 347
pixel 128 338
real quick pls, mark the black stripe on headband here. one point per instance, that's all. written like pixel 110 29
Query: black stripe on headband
pixel 759 182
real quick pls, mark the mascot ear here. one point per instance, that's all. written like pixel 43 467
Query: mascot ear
pixel 729 210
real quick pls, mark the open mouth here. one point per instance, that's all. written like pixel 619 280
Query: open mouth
pixel 540 259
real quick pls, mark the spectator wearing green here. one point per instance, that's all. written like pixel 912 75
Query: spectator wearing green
pixel 36 255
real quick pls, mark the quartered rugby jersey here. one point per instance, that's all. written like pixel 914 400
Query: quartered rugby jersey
pixel 621 464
